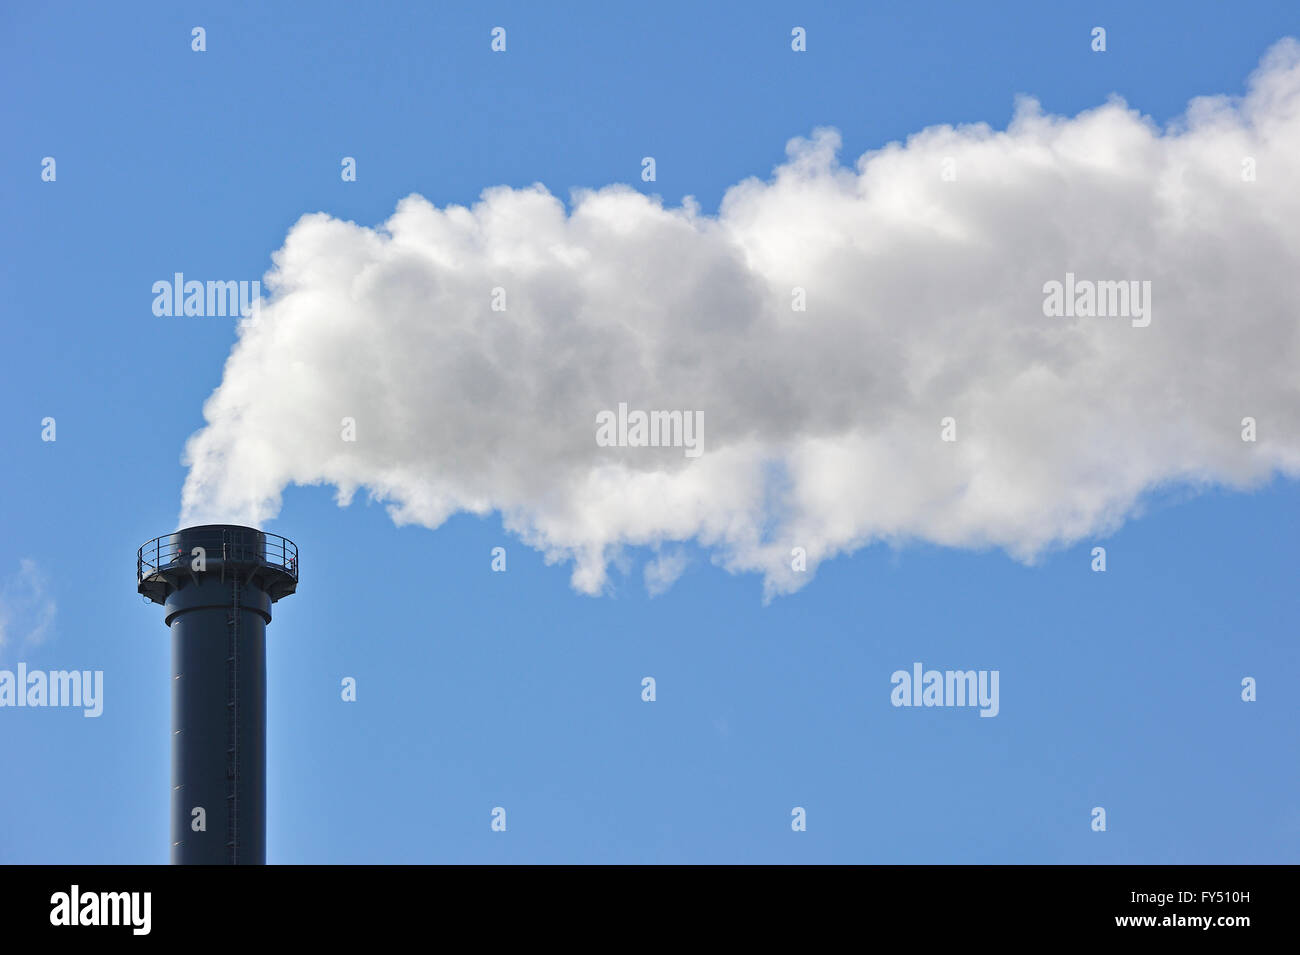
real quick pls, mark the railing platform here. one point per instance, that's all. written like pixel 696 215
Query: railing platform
pixel 163 562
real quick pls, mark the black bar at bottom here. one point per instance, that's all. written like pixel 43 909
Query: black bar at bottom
pixel 927 903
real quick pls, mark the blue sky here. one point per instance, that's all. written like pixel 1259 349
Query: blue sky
pixel 478 689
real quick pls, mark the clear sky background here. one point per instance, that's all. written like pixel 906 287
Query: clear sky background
pixel 478 689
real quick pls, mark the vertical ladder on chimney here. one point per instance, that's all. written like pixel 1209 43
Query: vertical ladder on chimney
pixel 232 725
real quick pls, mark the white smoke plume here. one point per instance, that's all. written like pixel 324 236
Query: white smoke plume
pixel 924 269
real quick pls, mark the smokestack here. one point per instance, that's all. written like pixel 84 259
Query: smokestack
pixel 217 583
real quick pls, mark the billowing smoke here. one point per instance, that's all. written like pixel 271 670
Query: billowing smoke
pixel 814 336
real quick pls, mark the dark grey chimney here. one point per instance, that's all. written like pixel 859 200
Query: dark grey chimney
pixel 217 583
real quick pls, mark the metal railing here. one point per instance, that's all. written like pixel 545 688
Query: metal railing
pixel 235 546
